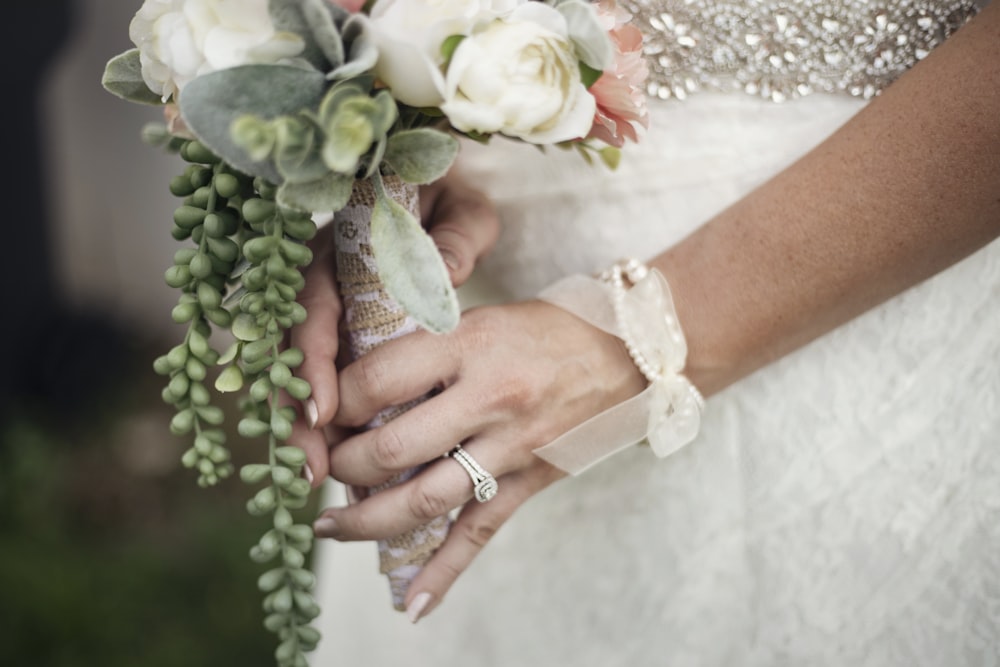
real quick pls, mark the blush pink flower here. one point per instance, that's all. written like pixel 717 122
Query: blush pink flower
pixel 620 92
pixel 353 6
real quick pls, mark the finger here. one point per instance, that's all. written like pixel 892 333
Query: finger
pixel 423 433
pixel 315 443
pixel 397 371
pixel 464 227
pixel 317 337
pixel 433 492
pixel 471 532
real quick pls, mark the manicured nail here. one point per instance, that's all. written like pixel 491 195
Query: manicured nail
pixel 312 413
pixel 352 495
pixel 450 260
pixel 415 610
pixel 325 526
pixel 307 471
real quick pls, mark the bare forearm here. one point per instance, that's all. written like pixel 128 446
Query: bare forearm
pixel 906 188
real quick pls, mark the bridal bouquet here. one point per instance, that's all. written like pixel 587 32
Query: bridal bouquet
pixel 289 110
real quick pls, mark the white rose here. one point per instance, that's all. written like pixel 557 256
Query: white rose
pixel 519 76
pixel 409 35
pixel 179 40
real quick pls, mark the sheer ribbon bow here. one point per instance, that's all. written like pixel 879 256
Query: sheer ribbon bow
pixel 667 413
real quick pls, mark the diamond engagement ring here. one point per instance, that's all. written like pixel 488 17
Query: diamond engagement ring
pixel 485 484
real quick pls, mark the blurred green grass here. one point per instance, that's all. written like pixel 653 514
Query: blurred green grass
pixel 110 554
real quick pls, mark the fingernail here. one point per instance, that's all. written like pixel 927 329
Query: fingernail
pixel 352 495
pixel 450 260
pixel 307 471
pixel 325 526
pixel 312 413
pixel 415 610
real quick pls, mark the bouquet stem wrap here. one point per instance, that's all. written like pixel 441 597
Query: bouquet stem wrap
pixel 372 318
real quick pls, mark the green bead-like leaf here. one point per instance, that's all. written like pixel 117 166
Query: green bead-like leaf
pixel 291 456
pixel 282 517
pixel 303 578
pixel 230 379
pixel 292 557
pixel 275 622
pixel 252 473
pixel 270 542
pixel 182 422
pixel 299 489
pixel 298 389
pixel 280 427
pixel 280 374
pixel 265 499
pixel 411 267
pixel 258 210
pixel 420 156
pixel 300 532
pixel 282 476
pixel 271 579
pixel 282 600
pixel 123 78
pixel 252 428
pixel 245 328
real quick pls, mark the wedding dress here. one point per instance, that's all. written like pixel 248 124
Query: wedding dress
pixel 839 507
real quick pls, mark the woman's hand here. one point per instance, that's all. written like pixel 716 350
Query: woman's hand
pixel 464 226
pixel 511 379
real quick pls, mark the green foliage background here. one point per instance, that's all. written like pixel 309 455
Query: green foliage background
pixel 110 554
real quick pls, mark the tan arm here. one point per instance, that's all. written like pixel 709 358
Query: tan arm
pixel 906 188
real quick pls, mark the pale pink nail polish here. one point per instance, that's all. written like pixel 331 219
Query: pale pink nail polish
pixel 352 495
pixel 450 260
pixel 312 413
pixel 307 471
pixel 325 526
pixel 414 610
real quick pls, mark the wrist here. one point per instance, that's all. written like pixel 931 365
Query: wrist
pixel 634 304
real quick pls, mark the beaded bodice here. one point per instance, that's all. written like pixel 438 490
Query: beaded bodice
pixel 781 49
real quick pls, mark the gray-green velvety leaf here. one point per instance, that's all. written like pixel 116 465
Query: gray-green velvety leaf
pixel 374 159
pixel 420 156
pixel 320 19
pixel 123 78
pixel 411 267
pixel 362 53
pixel 329 193
pixel 211 102
pixel 295 16
pixel 590 39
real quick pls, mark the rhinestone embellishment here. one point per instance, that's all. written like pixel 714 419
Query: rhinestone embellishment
pixel 784 49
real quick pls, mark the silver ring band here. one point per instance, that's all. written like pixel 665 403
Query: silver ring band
pixel 484 483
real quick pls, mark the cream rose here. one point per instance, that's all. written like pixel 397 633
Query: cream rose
pixel 519 76
pixel 179 40
pixel 409 35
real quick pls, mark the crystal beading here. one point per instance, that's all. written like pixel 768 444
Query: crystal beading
pixel 783 49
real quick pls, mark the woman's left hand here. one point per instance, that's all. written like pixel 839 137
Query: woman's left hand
pixel 511 379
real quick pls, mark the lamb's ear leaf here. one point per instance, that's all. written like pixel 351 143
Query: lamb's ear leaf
pixel 329 193
pixel 422 155
pixel 123 78
pixel 210 103
pixel 411 267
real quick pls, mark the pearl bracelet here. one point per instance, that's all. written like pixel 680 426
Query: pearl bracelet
pixel 633 271
pixel 632 302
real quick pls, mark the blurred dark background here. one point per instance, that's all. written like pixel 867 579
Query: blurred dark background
pixel 110 554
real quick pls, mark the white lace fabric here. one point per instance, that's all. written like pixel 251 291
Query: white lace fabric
pixel 839 507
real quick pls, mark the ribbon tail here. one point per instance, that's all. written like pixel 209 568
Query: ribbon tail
pixel 601 436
